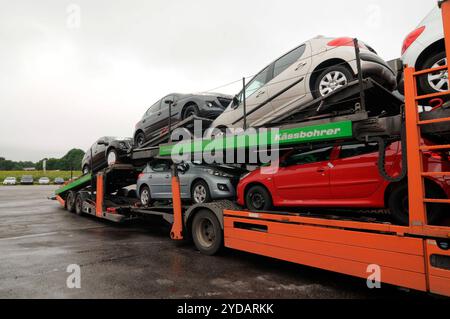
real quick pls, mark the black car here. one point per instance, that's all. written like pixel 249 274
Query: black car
pixel 156 119
pixel 106 152
pixel 27 180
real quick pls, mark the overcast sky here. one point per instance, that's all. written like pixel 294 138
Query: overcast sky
pixel 71 72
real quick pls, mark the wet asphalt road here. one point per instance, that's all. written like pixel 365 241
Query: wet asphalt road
pixel 38 240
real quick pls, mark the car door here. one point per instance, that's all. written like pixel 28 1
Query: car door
pixel 163 118
pixel 287 70
pixel 160 182
pixel 98 153
pixel 149 122
pixel 255 94
pixel 304 176
pixel 355 173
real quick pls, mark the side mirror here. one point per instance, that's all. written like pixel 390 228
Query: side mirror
pixel 169 101
pixel 183 168
pixel 102 142
pixel 235 101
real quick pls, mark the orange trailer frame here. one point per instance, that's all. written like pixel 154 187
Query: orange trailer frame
pixel 405 255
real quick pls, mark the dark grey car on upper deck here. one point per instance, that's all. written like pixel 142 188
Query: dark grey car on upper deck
pixel 155 121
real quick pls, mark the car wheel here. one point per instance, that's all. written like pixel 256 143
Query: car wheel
pixel 139 139
pixel 201 193
pixel 145 196
pixel 258 198
pixel 399 206
pixel 112 157
pixel 207 233
pixel 85 169
pixel 79 204
pixel 189 111
pixel 331 79
pixel 70 201
pixel 437 81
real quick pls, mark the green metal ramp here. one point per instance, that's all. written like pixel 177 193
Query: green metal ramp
pixel 77 184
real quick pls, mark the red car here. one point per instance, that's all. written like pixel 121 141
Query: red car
pixel 344 176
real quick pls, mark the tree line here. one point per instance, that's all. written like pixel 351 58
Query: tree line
pixel 70 161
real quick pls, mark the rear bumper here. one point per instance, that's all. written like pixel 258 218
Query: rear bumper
pixel 378 70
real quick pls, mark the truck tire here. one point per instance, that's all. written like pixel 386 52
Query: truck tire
pixel 79 204
pixel 207 233
pixel 70 201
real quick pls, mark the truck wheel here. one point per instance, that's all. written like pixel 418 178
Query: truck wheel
pixel 434 82
pixel 331 79
pixel 399 206
pixel 70 202
pixel 258 198
pixel 79 204
pixel 200 193
pixel 207 233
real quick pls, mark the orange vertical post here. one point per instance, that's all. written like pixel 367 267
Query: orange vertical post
pixel 176 232
pixel 445 8
pixel 99 196
pixel 417 211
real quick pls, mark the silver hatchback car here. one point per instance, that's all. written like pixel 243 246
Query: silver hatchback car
pixel 321 65
pixel 199 183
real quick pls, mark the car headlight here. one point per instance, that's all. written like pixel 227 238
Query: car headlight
pixel 216 172
pixel 122 145
pixel 210 104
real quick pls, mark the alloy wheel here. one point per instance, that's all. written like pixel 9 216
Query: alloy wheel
pixel 145 197
pixel 331 82
pixel 199 194
pixel 439 80
pixel 112 158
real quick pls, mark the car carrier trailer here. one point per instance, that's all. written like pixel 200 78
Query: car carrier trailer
pixel 416 256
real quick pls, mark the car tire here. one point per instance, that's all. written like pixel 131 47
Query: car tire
pixel 112 157
pixel 399 206
pixel 145 196
pixel 200 193
pixel 190 110
pixel 331 79
pixel 70 201
pixel 79 204
pixel 258 198
pixel 139 139
pixel 207 233
pixel 86 170
pixel 426 84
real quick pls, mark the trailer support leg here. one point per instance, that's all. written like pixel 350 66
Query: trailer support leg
pixel 176 232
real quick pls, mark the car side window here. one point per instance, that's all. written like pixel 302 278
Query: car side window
pixel 258 81
pixel 287 60
pixel 307 157
pixel 163 101
pixel 160 166
pixel 152 109
pixel 357 150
